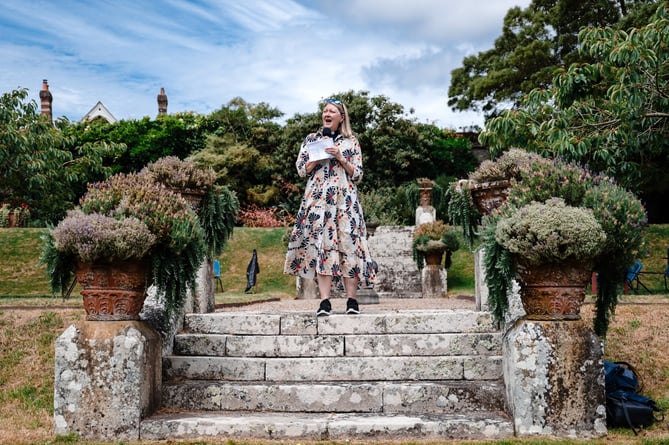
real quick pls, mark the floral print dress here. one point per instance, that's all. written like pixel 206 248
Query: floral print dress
pixel 329 236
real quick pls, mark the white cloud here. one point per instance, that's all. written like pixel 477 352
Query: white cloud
pixel 286 53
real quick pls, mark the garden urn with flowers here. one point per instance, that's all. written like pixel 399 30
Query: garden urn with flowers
pixel 619 212
pixel 431 241
pixel 126 234
pixel 553 247
pixel 182 176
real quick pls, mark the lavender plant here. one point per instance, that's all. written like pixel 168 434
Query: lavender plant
pixel 180 174
pixel 95 237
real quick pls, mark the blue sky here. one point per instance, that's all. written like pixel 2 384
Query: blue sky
pixel 287 53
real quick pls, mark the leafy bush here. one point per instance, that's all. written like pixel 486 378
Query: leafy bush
pixel 551 232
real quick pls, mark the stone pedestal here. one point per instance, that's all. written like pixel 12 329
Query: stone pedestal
pixel 425 214
pixel 306 288
pixel 203 300
pixel 107 378
pixel 555 379
pixel 433 281
pixel 515 309
pixel 480 286
pixel 398 276
pixel 367 296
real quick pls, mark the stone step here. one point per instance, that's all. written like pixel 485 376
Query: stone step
pixel 336 427
pixel 370 322
pixel 319 369
pixel 337 345
pixel 447 397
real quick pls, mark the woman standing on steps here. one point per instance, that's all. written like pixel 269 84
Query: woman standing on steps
pixel 329 239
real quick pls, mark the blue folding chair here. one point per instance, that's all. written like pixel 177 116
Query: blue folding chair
pixel 632 277
pixel 217 276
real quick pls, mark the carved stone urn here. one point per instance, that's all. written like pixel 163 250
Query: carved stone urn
pixel 113 291
pixel 553 291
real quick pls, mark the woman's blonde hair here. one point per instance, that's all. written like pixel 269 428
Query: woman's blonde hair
pixel 345 127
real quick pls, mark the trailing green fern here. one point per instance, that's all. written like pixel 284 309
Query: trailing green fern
pixel 462 212
pixel 500 272
pixel 217 218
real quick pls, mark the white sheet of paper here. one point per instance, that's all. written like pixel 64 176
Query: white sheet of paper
pixel 317 149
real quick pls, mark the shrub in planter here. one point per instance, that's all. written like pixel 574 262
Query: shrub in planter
pixel 465 207
pixel 435 237
pixel 180 174
pixel 550 232
pixel 217 206
pixel 620 214
pixel 95 237
pixel 178 246
pixel 14 215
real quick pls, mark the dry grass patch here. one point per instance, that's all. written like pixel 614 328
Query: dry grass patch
pixel 27 372
pixel 639 334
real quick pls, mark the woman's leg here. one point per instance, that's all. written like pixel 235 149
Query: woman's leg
pixel 351 291
pixel 324 283
pixel 351 285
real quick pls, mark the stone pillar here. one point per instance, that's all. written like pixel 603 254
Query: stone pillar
pixel 555 379
pixel 433 281
pixel 480 286
pixel 425 214
pixel 203 300
pixel 398 276
pixel 107 379
pixel 515 309
pixel 306 288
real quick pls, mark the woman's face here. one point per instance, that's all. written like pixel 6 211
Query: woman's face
pixel 332 117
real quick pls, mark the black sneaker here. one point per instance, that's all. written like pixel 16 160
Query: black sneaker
pixel 324 309
pixel 352 306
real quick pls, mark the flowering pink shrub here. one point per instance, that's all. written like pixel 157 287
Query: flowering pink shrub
pixel 254 216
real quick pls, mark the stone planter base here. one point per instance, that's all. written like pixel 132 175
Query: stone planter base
pixel 488 196
pixel 108 378
pixel 554 379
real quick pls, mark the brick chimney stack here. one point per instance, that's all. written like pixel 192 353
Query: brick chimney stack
pixel 46 99
pixel 162 102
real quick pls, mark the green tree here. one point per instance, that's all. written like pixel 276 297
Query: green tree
pixel 396 149
pixel 240 149
pixel 146 139
pixel 611 114
pixel 535 42
pixel 41 166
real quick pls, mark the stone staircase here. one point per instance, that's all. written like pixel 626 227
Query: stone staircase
pixel 414 374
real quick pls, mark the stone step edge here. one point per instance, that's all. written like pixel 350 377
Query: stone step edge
pixel 423 321
pixel 443 397
pixel 282 426
pixel 335 345
pixel 465 367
